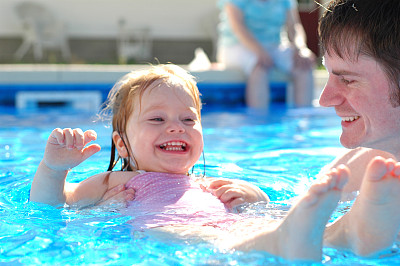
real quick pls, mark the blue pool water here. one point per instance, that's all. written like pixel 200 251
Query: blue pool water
pixel 280 152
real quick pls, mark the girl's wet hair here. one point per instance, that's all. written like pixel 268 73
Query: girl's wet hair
pixel 120 102
pixel 350 28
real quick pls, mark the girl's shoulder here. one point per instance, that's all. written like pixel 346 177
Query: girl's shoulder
pixel 120 177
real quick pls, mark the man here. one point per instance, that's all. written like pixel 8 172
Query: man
pixel 361 45
pixel 360 40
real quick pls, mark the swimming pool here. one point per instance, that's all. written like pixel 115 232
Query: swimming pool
pixel 281 152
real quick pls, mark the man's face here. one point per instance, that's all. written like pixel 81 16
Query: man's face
pixel 359 91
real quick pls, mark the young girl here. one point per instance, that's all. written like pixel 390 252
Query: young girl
pixel 158 135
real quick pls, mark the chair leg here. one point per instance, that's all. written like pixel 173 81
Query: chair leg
pixel 66 52
pixel 22 50
pixel 37 52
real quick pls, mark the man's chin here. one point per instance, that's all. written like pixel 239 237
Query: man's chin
pixel 350 144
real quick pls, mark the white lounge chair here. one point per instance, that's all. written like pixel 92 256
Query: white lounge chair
pixel 41 31
pixel 133 43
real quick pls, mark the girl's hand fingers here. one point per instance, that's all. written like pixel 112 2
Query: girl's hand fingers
pixel 72 138
pixel 218 192
pixel 217 183
pixel 69 138
pixel 90 150
pixel 89 135
pixel 115 193
pixel 118 195
pixel 129 194
pixel 78 138
pixel 81 139
pixel 57 137
pixel 230 194
pixel 235 202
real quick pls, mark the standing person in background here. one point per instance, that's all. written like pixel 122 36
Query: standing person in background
pixel 250 39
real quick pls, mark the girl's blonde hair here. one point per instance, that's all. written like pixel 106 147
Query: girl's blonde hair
pixel 120 101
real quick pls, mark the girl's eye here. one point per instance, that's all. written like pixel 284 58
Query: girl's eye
pixel 157 119
pixel 189 120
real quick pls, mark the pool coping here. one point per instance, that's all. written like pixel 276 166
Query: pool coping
pixel 216 84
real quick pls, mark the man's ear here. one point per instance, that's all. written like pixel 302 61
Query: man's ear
pixel 120 145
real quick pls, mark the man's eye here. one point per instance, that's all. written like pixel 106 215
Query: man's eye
pixel 345 81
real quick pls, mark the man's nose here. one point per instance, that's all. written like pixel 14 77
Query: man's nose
pixel 331 95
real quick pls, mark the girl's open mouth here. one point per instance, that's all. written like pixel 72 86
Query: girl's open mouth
pixel 173 146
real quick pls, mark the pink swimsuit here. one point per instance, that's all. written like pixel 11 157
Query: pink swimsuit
pixel 167 199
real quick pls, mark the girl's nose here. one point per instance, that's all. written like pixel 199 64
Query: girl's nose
pixel 175 127
pixel 331 95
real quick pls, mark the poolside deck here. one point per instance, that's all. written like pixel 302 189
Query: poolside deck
pixel 216 84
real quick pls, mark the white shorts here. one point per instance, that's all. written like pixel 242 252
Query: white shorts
pixel 238 56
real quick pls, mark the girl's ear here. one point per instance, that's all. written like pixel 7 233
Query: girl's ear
pixel 120 145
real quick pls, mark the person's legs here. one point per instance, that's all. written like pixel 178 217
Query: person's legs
pixel 237 56
pixel 303 87
pixel 373 222
pixel 300 235
pixel 302 77
pixel 257 88
pixel 257 84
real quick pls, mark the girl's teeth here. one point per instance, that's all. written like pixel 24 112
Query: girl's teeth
pixel 173 146
pixel 174 149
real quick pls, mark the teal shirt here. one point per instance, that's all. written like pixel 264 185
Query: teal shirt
pixel 263 18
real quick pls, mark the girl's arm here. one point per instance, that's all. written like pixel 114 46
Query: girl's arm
pixel 48 186
pixel 101 189
pixel 65 149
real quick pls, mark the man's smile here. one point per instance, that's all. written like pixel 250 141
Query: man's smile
pixel 350 118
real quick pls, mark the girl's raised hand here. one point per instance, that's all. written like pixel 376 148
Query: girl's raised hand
pixel 66 148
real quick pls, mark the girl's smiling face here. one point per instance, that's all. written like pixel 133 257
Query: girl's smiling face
pixel 164 131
